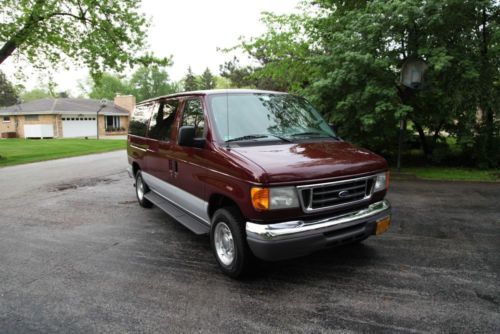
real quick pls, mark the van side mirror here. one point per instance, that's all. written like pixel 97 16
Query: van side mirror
pixel 187 137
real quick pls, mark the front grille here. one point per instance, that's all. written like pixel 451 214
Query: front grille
pixel 325 196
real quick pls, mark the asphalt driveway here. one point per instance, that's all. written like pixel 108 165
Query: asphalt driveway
pixel 77 254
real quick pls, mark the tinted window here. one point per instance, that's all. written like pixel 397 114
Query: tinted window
pixel 193 115
pixel 140 118
pixel 162 120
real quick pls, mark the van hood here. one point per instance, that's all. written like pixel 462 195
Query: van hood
pixel 311 161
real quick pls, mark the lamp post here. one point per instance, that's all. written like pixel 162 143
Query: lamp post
pixel 412 77
pixel 104 102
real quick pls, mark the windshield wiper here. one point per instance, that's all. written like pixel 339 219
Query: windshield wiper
pixel 257 136
pixel 300 134
pixel 282 138
pixel 247 137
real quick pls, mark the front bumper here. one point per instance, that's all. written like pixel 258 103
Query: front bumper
pixel 298 238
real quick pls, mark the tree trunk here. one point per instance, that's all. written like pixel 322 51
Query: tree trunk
pixel 423 140
pixel 7 50
pixel 436 136
pixel 487 96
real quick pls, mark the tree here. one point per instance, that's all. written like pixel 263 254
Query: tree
pixel 145 83
pixel 346 55
pixel 108 86
pixel 207 80
pixel 8 94
pixel 99 34
pixel 150 81
pixel 249 77
pixel 191 83
pixel 35 94
pixel 238 75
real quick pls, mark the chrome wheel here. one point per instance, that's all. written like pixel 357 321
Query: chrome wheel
pixel 140 188
pixel 224 243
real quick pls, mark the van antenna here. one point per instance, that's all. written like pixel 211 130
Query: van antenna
pixel 227 119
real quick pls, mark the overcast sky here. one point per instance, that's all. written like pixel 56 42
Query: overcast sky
pixel 189 30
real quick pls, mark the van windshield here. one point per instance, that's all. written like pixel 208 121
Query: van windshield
pixel 265 116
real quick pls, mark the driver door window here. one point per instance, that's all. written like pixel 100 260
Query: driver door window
pixel 193 116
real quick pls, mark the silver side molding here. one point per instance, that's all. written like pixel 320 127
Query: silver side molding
pixel 181 198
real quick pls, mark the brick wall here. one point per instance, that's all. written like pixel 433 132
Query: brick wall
pixel 8 126
pixel 58 126
pixel 17 123
pixel 102 125
pixel 126 102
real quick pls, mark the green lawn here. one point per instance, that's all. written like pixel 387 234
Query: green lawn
pixel 20 151
pixel 452 173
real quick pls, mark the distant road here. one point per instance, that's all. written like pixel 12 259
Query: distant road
pixel 20 179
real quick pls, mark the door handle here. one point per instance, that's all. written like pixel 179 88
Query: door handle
pixel 173 168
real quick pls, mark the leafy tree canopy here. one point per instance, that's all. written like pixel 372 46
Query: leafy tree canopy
pixel 35 94
pixel 191 82
pixel 151 81
pixel 144 83
pixel 8 94
pixel 207 80
pixel 346 57
pixel 108 86
pixel 99 34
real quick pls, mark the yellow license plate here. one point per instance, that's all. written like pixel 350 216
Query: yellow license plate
pixel 383 225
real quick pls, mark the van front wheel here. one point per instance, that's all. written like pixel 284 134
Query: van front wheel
pixel 227 238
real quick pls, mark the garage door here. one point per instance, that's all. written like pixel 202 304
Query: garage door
pixel 79 126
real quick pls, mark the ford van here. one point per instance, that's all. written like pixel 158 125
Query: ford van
pixel 260 172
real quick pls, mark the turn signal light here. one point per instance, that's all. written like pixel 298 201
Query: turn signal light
pixel 383 225
pixel 260 198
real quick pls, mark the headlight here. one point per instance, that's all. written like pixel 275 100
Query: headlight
pixel 274 198
pixel 381 182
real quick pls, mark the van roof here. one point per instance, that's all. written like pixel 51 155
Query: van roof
pixel 213 92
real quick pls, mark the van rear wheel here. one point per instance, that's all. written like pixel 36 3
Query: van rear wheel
pixel 227 238
pixel 141 189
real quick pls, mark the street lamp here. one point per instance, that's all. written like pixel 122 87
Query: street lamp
pixel 104 102
pixel 412 73
pixel 412 76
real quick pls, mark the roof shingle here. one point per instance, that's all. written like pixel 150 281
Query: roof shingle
pixel 63 106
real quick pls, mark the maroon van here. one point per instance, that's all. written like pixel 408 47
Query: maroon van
pixel 260 171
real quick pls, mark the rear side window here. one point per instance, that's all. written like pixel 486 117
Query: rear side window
pixel 140 118
pixel 163 119
pixel 193 115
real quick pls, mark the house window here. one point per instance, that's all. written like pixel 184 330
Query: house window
pixel 6 119
pixel 31 117
pixel 112 123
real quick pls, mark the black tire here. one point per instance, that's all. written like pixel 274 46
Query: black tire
pixel 139 192
pixel 243 256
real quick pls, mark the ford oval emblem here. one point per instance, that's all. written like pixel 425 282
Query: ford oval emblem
pixel 343 193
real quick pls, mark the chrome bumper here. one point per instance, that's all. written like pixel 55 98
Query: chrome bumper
pixel 299 228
